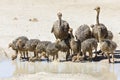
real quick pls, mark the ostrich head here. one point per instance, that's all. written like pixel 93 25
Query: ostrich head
pixel 59 14
pixel 18 43
pixel 71 33
pixel 97 9
pixel 10 45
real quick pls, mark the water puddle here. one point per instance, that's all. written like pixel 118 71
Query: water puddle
pixel 10 68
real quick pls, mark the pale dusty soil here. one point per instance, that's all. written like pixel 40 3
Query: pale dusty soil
pixel 14 22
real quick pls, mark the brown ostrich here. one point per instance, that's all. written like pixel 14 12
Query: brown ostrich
pixel 60 28
pixel 99 30
pixel 83 33
pixel 108 47
pixel 15 47
pixel 88 45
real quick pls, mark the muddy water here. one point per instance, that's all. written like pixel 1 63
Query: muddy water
pixel 11 68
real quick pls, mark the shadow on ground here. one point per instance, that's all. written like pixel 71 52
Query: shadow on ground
pixel 101 57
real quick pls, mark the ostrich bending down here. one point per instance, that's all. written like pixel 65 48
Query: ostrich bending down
pixel 60 28
pixel 108 47
pixel 75 46
pixel 30 46
pixel 110 35
pixel 88 45
pixel 14 46
pixel 83 33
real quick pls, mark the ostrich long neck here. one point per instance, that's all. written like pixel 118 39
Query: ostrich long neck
pixel 60 21
pixel 99 36
pixel 71 35
pixel 97 17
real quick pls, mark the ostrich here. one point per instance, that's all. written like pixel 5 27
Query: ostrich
pixel 60 28
pixel 108 47
pixel 75 45
pixel 110 35
pixel 88 45
pixel 15 47
pixel 41 47
pixel 30 46
pixel 99 30
pixel 83 33
pixel 52 49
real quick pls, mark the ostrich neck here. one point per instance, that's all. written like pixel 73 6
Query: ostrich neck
pixel 99 35
pixel 97 17
pixel 71 35
pixel 60 21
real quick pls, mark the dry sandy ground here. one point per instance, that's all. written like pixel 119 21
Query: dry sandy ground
pixel 15 15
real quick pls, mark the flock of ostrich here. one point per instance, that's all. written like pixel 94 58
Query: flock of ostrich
pixel 77 47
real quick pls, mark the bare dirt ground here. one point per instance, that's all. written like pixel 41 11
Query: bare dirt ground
pixel 34 19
